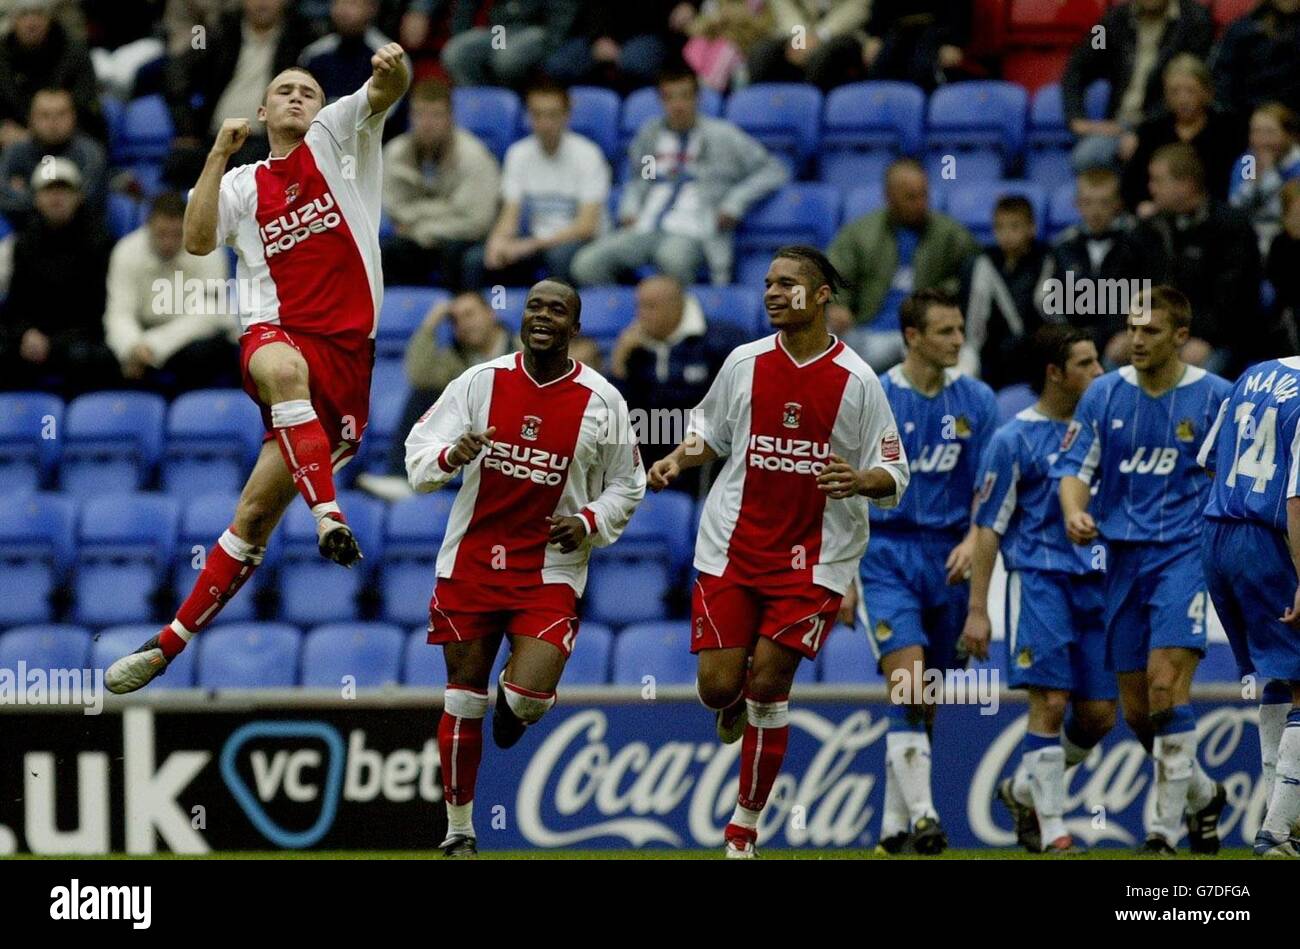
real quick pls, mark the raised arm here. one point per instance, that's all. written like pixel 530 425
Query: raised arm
pixel 389 77
pixel 201 211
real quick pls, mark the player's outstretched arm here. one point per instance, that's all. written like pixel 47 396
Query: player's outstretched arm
pixel 389 77
pixel 691 453
pixel 979 630
pixel 201 211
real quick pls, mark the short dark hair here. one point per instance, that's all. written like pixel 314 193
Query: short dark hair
pixel 167 204
pixel 814 258
pixel 1183 162
pixel 916 307
pixel 431 90
pixel 1050 346
pixel 677 72
pixel 547 87
pixel 302 69
pixel 1014 204
pixel 573 291
pixel 1173 301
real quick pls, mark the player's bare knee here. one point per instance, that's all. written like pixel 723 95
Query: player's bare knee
pixel 1095 719
pixel 255 519
pixel 718 691
pixel 768 685
pixel 282 377
pixel 1053 706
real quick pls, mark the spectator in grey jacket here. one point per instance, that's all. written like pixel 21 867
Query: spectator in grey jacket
pixel 440 190
pixel 691 179
pixel 519 35
pixel 53 132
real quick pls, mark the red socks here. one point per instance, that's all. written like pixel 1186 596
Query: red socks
pixel 460 741
pixel 229 564
pixel 762 750
pixel 306 452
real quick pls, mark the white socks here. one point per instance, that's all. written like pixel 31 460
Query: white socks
pixel 909 755
pixel 1284 803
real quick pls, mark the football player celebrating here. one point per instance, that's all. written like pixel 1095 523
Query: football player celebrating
pixel 550 470
pixel 808 438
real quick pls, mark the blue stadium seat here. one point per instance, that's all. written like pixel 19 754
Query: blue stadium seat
pixel 124 214
pixel 796 214
pixel 1062 213
pixel 864 200
pixel 846 658
pixel 111 442
pixel 784 116
pixel 490 113
pixel 126 543
pixel 386 410
pixel 606 311
pixel 117 641
pixel 983 114
pixel 621 591
pixel 45 646
pixel 589 664
pixel 643 104
pixel 5 227
pixel 660 527
pixel 314 590
pixel 413 532
pixel 1050 168
pixel 149 176
pixel 31 424
pixel 846 170
pixel 595 113
pixel 388 376
pixel 146 130
pixel 1219 665
pixel 403 311
pixel 423 664
pixel 947 171
pixel 1013 399
pixel 213 437
pixel 36 554
pixel 972 205
pixel 249 656
pixel 739 305
pixel 114 111
pixel 371 653
pixel 1047 125
pixel 203 520
pixel 882 116
pixel 661 650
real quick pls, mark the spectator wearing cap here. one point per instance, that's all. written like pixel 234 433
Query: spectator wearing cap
pixel 666 358
pixel 168 318
pixel 554 190
pixel 691 178
pixel 53 133
pixel 38 53
pixel 440 191
pixel 51 324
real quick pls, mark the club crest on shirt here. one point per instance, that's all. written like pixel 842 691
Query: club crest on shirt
pixel 1071 433
pixel 1024 658
pixel 790 417
pixel 1184 432
pixel 291 193
pixel 883 631
pixel 961 427
pixel 532 424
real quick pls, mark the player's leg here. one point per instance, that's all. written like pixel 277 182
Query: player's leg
pixel 762 749
pixel 526 688
pixel 227 567
pixel 724 625
pixel 1094 690
pixel 907 744
pixel 1278 835
pixel 281 376
pixel 1040 779
pixel 1274 706
pixel 460 734
pixel 1180 783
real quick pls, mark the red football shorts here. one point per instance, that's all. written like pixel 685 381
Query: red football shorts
pixel 461 610
pixel 794 612
pixel 338 375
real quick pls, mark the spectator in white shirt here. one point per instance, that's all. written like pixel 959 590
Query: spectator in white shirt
pixel 554 189
pixel 168 319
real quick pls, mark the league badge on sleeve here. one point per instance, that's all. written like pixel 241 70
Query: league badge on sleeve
pixel 891 449
pixel 1071 433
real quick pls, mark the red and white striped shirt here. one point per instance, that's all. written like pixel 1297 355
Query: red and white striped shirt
pixel 305 227
pixel 777 422
pixel 560 448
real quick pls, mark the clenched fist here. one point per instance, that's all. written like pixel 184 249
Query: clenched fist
pixel 387 58
pixel 231 138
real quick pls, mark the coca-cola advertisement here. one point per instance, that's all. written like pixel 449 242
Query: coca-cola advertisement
pixel 618 773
